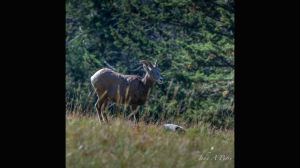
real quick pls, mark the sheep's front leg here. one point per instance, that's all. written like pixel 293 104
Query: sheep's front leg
pixel 134 112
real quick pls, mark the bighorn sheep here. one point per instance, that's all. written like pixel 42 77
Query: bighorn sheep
pixel 124 89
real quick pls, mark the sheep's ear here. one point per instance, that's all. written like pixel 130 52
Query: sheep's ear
pixel 155 63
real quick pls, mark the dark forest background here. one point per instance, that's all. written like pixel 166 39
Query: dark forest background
pixel 193 42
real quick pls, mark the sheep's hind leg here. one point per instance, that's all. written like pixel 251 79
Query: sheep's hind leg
pixel 98 109
pixel 103 114
pixel 101 99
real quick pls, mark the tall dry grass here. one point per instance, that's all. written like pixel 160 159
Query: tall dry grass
pixel 124 144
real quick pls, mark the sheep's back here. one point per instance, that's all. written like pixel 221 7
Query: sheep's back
pixel 107 79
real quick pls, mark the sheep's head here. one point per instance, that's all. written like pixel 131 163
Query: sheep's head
pixel 153 71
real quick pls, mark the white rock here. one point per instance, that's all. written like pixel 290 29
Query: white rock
pixel 173 127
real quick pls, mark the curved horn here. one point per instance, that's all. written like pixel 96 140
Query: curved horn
pixel 146 63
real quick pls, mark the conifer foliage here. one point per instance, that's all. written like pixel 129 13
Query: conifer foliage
pixel 193 41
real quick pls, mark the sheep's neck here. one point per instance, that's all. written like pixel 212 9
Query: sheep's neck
pixel 148 82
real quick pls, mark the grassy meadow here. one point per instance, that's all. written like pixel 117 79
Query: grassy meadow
pixel 121 143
